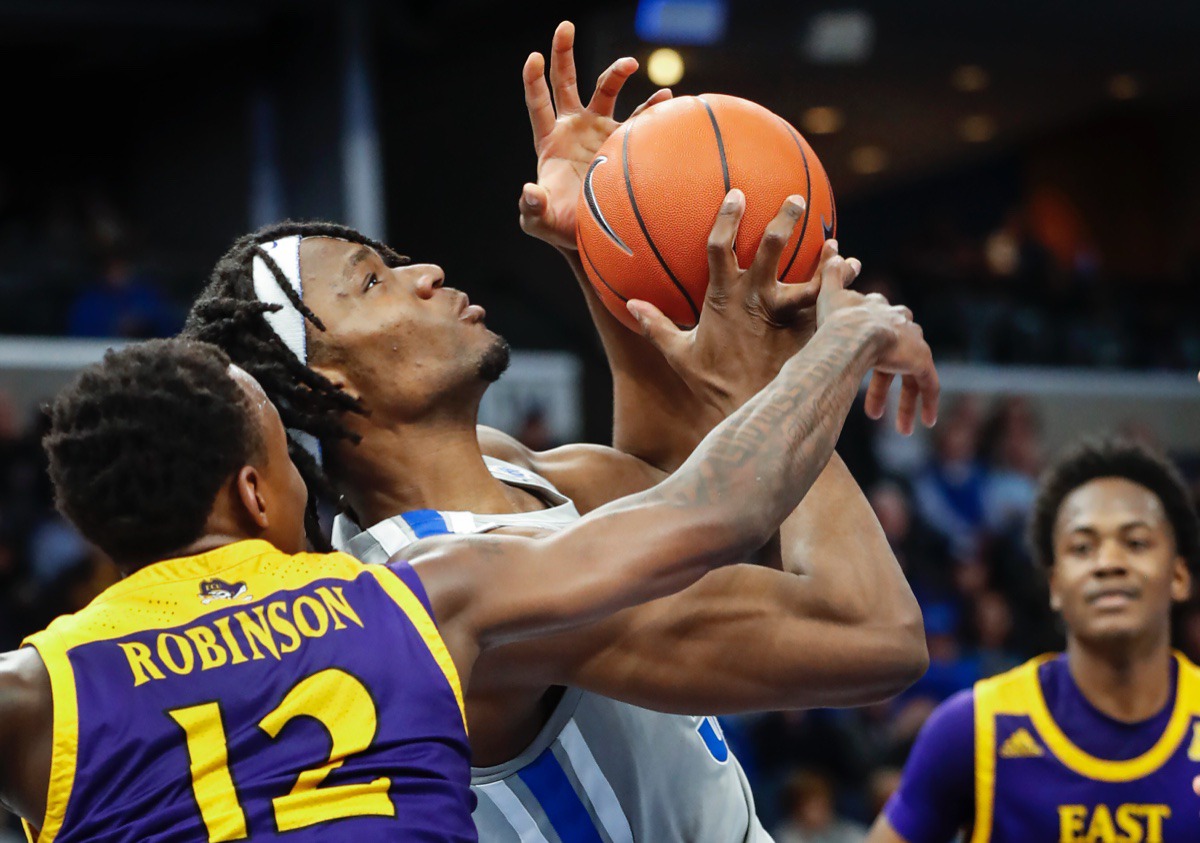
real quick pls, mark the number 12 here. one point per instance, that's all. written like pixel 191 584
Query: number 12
pixel 336 700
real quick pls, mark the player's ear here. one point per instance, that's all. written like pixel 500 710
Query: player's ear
pixel 250 493
pixel 1181 581
pixel 1055 596
pixel 337 377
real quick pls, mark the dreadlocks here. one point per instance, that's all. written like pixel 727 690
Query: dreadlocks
pixel 140 443
pixel 229 315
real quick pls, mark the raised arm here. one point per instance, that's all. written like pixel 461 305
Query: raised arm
pixel 723 503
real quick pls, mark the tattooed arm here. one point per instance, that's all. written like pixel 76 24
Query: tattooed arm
pixel 724 502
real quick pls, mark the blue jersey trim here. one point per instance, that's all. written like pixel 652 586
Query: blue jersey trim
pixel 426 522
pixel 549 784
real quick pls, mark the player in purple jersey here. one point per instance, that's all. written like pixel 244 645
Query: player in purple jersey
pixel 150 716
pixel 1099 743
pixel 386 366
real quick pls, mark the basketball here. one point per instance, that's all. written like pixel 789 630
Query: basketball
pixel 651 196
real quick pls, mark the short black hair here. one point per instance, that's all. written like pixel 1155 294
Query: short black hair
pixel 141 442
pixel 229 314
pixel 1093 459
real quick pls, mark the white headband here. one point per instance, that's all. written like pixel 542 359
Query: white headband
pixel 287 322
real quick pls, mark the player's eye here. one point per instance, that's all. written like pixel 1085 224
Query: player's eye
pixel 371 281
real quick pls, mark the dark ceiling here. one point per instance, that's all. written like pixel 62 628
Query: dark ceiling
pixel 1048 64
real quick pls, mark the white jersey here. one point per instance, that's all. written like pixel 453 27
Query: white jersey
pixel 600 771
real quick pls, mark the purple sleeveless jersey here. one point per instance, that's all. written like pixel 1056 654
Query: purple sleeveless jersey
pixel 247 694
pixel 1024 757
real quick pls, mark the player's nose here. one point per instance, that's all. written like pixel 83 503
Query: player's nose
pixel 1111 559
pixel 426 277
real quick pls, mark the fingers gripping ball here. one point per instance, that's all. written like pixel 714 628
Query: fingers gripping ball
pixel 652 193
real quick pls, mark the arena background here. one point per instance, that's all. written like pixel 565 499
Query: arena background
pixel 1023 174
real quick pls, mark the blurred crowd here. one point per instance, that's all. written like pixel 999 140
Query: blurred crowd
pixel 71 265
pixel 1034 289
pixel 954 508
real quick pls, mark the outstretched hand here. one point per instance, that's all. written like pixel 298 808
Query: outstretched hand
pixel 750 323
pixel 908 355
pixel 567 135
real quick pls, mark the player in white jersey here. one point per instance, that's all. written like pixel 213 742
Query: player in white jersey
pixel 386 367
pixel 599 768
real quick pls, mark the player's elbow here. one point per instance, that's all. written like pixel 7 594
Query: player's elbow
pixel 894 656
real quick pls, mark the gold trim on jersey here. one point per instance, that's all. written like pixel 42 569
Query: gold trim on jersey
pixel 399 591
pixel 176 593
pixel 1018 692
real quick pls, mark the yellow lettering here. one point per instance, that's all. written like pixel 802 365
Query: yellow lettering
pixel 1070 823
pixel 283 626
pixel 337 604
pixel 187 660
pixel 211 653
pixel 235 649
pixel 141 663
pixel 1155 814
pixel 1127 822
pixel 1101 829
pixel 310 630
pixel 258 631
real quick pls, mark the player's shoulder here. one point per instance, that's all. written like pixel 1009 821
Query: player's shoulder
pixel 591 475
pixel 955 717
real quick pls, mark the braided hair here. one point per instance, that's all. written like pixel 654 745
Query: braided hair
pixel 229 314
pixel 140 444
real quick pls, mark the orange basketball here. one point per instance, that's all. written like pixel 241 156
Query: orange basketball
pixel 652 194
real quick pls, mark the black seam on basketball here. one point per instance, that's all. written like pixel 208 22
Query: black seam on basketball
pixel 583 250
pixel 720 142
pixel 645 232
pixel 807 197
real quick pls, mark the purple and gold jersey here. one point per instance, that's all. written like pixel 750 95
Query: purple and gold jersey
pixel 248 694
pixel 1047 766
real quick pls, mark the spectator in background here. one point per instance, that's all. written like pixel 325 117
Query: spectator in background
pixel 920 551
pixel 812 814
pixel 993 621
pixel 1011 443
pixel 122 303
pixel 950 669
pixel 950 490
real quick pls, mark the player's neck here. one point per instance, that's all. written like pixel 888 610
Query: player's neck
pixel 420 466
pixel 1130 683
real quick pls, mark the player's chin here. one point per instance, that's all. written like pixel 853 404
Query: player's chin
pixel 1114 627
pixel 494 358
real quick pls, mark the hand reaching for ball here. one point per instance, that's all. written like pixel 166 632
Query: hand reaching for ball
pixel 907 355
pixel 566 135
pixel 751 323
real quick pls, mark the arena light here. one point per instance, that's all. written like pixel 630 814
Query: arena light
pixel 969 78
pixel 868 160
pixel 822 120
pixel 977 128
pixel 681 21
pixel 665 67
pixel 844 37
pixel 1123 86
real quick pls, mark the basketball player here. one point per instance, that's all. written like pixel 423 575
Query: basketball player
pixel 1100 743
pixel 370 356
pixel 232 686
